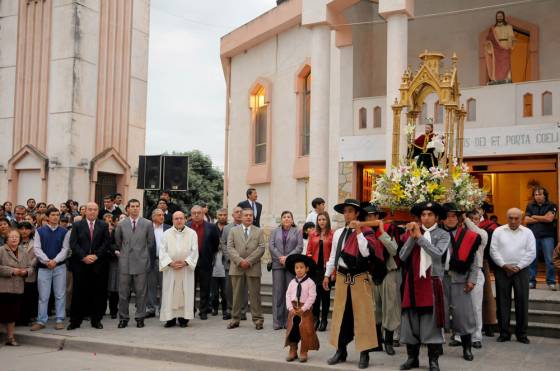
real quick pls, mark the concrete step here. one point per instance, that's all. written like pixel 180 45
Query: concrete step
pixel 547 330
pixel 548 305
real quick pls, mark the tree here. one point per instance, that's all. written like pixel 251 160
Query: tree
pixel 206 184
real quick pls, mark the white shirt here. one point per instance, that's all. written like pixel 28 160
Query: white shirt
pixel 517 247
pixel 312 217
pixel 362 246
pixel 158 233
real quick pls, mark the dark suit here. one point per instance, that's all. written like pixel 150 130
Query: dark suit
pixel 89 293
pixel 206 254
pixel 116 213
pixel 256 217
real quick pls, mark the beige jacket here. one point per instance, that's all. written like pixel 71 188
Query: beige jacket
pixel 8 261
pixel 251 249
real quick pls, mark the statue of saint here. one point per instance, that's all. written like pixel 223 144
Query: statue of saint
pixel 423 149
pixel 497 47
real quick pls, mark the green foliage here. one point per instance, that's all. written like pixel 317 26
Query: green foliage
pixel 206 184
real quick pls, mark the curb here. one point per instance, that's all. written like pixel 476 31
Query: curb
pixel 168 354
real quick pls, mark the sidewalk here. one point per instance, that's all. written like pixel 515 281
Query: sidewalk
pixel 209 343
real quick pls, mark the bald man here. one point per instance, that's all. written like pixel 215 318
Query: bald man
pixel 89 241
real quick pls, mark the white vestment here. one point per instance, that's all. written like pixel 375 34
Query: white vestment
pixel 177 292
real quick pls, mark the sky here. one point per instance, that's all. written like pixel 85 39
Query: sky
pixel 186 85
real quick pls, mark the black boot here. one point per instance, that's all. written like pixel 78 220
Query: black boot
pixel 412 362
pixel 466 340
pixel 323 325
pixel 339 356
pixel 388 341
pixel 379 347
pixel 433 354
pixel 316 322
pixel 364 359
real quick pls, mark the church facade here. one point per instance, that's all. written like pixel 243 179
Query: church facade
pixel 73 86
pixel 310 85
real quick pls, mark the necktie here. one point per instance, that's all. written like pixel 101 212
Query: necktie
pixel 254 206
pixel 133 225
pixel 91 231
pixel 246 232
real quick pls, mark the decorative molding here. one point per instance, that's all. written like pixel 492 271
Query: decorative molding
pixel 22 153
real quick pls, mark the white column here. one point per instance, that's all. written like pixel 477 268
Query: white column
pixel 320 89
pixel 396 13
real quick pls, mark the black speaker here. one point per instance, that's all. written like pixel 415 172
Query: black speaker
pixel 153 173
pixel 175 173
pixel 141 172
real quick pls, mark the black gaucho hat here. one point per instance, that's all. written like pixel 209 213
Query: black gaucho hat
pixel 349 202
pixel 373 209
pixel 451 207
pixel 430 205
pixel 291 261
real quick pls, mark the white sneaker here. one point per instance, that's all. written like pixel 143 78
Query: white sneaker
pixel 552 287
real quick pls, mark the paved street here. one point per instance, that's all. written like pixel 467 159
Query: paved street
pixel 209 343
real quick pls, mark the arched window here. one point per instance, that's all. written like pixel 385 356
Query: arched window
pixel 528 105
pixel 438 113
pixel 547 103
pixel 377 117
pixel 471 109
pixel 363 118
pixel 306 114
pixel 259 117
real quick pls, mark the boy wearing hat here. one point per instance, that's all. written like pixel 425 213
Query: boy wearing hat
pixel 461 272
pixel 354 312
pixel 386 292
pixel 423 312
pixel 300 296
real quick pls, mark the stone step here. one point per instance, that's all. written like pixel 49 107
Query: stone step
pixel 547 330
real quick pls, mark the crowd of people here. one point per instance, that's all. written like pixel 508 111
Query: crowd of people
pixel 395 283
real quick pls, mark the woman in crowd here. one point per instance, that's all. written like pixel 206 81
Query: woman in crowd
pixel 113 279
pixel 285 240
pixel 319 248
pixel 28 312
pixel 14 268
pixel 31 219
pixel 8 210
pixel 41 208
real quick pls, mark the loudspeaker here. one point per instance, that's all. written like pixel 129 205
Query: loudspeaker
pixel 175 173
pixel 149 172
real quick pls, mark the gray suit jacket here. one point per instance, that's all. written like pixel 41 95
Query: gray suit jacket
pixel 251 249
pixel 135 247
pixel 294 245
pixel 438 246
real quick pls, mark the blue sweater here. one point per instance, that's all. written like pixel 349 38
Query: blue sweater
pixel 51 241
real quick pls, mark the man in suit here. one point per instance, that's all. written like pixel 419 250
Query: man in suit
pixel 251 203
pixel 89 241
pixel 155 276
pixel 134 237
pixel 245 249
pixel 109 207
pixel 208 245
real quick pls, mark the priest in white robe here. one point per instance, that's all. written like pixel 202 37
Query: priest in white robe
pixel 177 260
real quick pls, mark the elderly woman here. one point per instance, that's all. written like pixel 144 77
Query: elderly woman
pixel 30 298
pixel 285 240
pixel 14 267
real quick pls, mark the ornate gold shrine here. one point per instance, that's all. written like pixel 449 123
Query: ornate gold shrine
pixel 415 88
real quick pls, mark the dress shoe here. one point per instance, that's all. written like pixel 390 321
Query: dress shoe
pixel 97 324
pixel 488 331
pixel 183 322
pixel 316 323
pixel 338 357
pixel 123 323
pixel 150 314
pixel 232 325
pixel 244 317
pixel 503 338
pixel 322 325
pixel 139 323
pixel 454 343
pixel 477 344
pixel 214 312
pixel 170 323
pixel 364 359
pixel 203 316
pixel 412 361
pixel 226 316
pixel 72 326
pixel 12 342
pixel 259 326
pixel 466 342
pixel 523 339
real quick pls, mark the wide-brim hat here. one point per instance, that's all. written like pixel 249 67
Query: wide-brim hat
pixel 451 207
pixel 430 205
pixel 339 208
pixel 291 261
pixel 374 209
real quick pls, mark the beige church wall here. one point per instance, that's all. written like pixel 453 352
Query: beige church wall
pixel 277 61
pixel 460 33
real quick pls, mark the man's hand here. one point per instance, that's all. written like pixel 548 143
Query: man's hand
pixel 282 260
pixel 244 264
pixel 354 224
pixel 177 264
pixel 380 225
pixel 90 259
pixel 51 264
pixel 469 286
pixel 20 272
pixel 326 282
pixel 117 253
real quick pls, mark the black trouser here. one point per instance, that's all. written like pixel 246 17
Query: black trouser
pixel 113 302
pixel 218 287
pixel 322 302
pixel 346 334
pixel 203 278
pixel 89 292
pixel 520 284
pixel 29 303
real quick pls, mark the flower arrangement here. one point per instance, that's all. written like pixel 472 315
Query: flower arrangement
pixel 407 185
